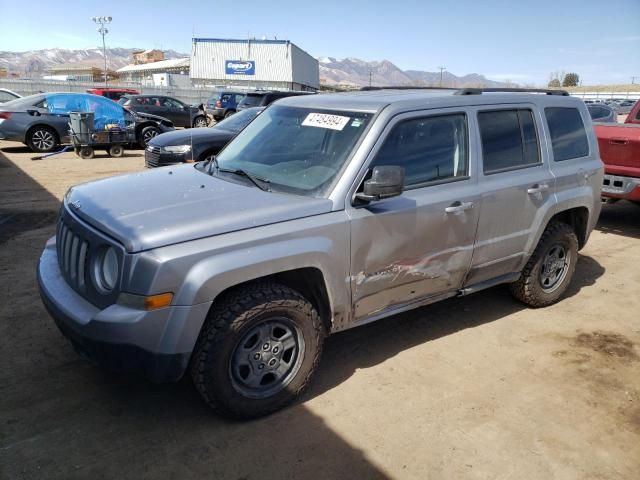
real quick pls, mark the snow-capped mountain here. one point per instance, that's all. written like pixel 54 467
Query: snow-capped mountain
pixel 357 72
pixel 37 62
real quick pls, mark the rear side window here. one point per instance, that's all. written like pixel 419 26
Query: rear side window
pixel 429 149
pixel 509 140
pixel 251 100
pixel 568 136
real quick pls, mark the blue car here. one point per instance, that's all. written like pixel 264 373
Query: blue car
pixel 42 121
pixel 224 104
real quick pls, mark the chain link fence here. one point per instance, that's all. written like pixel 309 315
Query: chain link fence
pixel 193 95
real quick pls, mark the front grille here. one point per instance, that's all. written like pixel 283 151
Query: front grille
pixel 72 256
pixel 152 156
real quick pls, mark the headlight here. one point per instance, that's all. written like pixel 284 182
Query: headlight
pixel 176 149
pixel 106 269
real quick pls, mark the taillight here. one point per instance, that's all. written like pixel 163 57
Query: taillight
pixel 218 104
pixel 5 115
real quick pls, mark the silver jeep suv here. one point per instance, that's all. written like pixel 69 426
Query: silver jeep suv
pixel 325 213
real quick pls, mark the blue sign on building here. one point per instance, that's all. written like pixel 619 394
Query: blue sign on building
pixel 240 67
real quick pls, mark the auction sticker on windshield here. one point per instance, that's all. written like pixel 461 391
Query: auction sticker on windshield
pixel 325 120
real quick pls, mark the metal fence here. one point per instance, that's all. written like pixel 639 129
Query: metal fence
pixel 193 95
pixel 626 95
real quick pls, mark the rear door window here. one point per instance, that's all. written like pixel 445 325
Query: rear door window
pixel 568 135
pixel 509 140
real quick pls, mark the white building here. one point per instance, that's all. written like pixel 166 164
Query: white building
pixel 163 71
pixel 251 63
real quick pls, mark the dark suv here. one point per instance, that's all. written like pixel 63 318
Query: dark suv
pixel 224 104
pixel 262 99
pixel 181 114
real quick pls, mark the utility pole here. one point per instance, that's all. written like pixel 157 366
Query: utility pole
pixel 633 79
pixel 102 30
pixel 442 69
pixel 371 74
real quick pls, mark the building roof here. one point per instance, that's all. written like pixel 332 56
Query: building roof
pixel 239 40
pixel 161 65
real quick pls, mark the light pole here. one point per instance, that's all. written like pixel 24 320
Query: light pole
pixel 442 69
pixel 102 30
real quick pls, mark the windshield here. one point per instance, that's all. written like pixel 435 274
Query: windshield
pixel 297 150
pixel 239 120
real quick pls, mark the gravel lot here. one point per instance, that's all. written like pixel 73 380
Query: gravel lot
pixel 471 388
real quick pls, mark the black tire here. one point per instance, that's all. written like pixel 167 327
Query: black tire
pixel 146 134
pixel 223 339
pixel 86 153
pixel 42 139
pixel 200 121
pixel 229 113
pixel 536 286
pixel 116 151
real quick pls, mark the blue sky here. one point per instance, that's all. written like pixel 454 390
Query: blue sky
pixel 518 40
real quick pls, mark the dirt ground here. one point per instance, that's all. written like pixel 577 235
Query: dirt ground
pixel 471 388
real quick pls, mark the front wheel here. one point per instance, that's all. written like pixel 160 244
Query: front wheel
pixel 199 122
pixel 549 271
pixel 146 134
pixel 257 350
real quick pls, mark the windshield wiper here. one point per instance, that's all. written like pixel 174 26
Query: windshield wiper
pixel 261 183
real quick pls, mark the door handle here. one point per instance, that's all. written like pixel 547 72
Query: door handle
pixel 618 141
pixel 537 188
pixel 458 207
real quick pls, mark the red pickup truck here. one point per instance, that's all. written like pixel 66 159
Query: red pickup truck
pixel 620 151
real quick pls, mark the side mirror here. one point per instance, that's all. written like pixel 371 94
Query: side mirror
pixel 386 181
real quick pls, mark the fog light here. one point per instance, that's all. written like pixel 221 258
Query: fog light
pixel 145 302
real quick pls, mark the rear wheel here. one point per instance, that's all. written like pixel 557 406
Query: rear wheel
pixel 146 134
pixel 549 271
pixel 42 139
pixel 229 113
pixel 257 351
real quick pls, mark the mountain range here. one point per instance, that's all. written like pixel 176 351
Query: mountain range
pixel 349 72
pixel 34 63
pixel 352 72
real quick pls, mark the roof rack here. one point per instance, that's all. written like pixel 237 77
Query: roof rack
pixel 474 91
pixel 479 91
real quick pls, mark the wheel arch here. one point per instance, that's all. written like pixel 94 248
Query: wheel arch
pixel 578 219
pixel 308 281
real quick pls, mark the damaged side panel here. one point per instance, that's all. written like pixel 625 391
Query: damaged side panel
pixel 408 248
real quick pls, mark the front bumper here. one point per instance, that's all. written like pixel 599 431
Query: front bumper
pixel 154 344
pixel 616 186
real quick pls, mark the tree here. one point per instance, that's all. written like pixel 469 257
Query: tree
pixel 571 80
pixel 554 83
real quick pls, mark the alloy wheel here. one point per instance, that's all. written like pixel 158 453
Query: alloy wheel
pixel 43 139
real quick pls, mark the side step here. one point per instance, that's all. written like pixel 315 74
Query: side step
pixel 508 278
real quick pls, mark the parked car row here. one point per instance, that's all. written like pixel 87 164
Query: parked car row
pixel 42 121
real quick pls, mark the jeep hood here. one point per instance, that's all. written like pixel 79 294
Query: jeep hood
pixel 170 205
